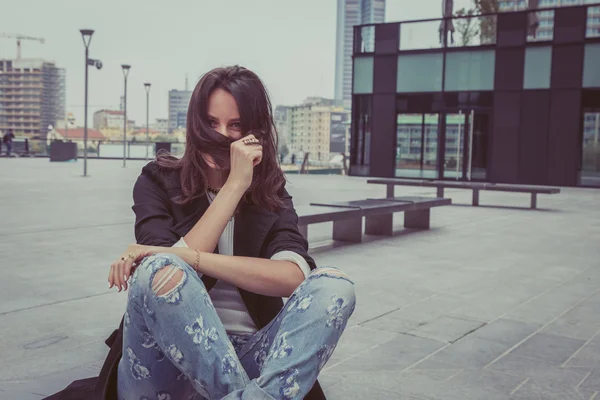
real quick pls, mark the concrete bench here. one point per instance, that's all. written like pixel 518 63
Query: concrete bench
pixel 347 215
pixel 341 217
pixel 476 187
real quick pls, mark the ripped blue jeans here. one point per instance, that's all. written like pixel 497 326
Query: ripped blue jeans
pixel 175 346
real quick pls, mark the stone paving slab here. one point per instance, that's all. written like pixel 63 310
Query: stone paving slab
pixel 541 371
pixel 552 349
pixel 494 302
pixel 446 329
pixel 533 390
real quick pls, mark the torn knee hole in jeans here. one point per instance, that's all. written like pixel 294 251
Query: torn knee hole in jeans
pixel 332 272
pixel 167 279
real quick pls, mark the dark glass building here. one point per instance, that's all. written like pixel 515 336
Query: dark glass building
pixel 512 97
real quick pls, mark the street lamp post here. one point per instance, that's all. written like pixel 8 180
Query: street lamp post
pixel 86 35
pixel 147 87
pixel 125 68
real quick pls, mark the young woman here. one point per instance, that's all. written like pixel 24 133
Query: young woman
pixel 218 247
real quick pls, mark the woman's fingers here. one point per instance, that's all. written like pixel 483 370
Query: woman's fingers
pixel 128 268
pixel 114 271
pixel 115 275
pixel 110 276
pixel 257 157
pixel 248 137
pixel 120 269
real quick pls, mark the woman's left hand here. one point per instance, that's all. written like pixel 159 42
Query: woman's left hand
pixel 121 269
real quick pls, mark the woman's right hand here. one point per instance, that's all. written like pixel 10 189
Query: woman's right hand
pixel 244 157
pixel 121 269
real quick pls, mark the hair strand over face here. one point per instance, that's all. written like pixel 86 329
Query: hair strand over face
pixel 256 117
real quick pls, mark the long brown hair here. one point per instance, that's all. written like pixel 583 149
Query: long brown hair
pixel 256 117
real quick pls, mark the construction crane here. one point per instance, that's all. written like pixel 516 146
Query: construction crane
pixel 19 38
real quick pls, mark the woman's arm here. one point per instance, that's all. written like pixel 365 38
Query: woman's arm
pixel 262 275
pixel 257 275
pixel 205 234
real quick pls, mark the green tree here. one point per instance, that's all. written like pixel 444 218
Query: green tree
pixel 487 25
pixel 467 30
pixel 283 150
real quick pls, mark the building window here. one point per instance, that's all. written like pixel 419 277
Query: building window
pixel 419 73
pixel 547 3
pixel 421 35
pixel 538 62
pixel 362 126
pixel 593 23
pixel 470 70
pixel 366 39
pixel 590 144
pixel 363 75
pixel 591 60
pixel 540 26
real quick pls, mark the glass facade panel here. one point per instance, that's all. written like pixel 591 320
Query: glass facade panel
pixel 590 148
pixel 540 26
pixel 361 151
pixel 591 65
pixel 367 39
pixel 363 75
pixel 419 73
pixel 420 35
pixel 470 70
pixel 538 63
pixel 593 22
pixel 472 30
pixel 417 145
pixel 454 146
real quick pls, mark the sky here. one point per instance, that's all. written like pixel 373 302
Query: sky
pixel 290 44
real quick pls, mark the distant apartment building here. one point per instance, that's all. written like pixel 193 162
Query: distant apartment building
pixel 283 120
pixel 110 123
pixel 32 96
pixel 545 18
pixel 178 106
pixel 161 125
pixel 317 127
pixel 108 119
pixel 349 14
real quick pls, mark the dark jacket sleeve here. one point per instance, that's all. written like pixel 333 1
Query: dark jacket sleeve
pixel 153 221
pixel 284 234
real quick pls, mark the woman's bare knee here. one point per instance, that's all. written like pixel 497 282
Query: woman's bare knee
pixel 330 271
pixel 167 279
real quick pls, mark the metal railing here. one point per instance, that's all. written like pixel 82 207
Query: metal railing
pixel 466 29
pixel 97 149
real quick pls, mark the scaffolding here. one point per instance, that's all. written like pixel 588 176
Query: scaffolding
pixel 53 96
pixel 32 96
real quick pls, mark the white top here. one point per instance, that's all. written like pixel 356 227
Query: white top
pixel 226 298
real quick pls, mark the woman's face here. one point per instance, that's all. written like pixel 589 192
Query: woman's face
pixel 223 114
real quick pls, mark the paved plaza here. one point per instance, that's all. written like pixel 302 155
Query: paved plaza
pixel 494 302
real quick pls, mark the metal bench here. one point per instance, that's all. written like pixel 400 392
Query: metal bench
pixel 347 215
pixel 476 187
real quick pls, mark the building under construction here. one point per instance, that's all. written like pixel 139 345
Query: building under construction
pixel 32 96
